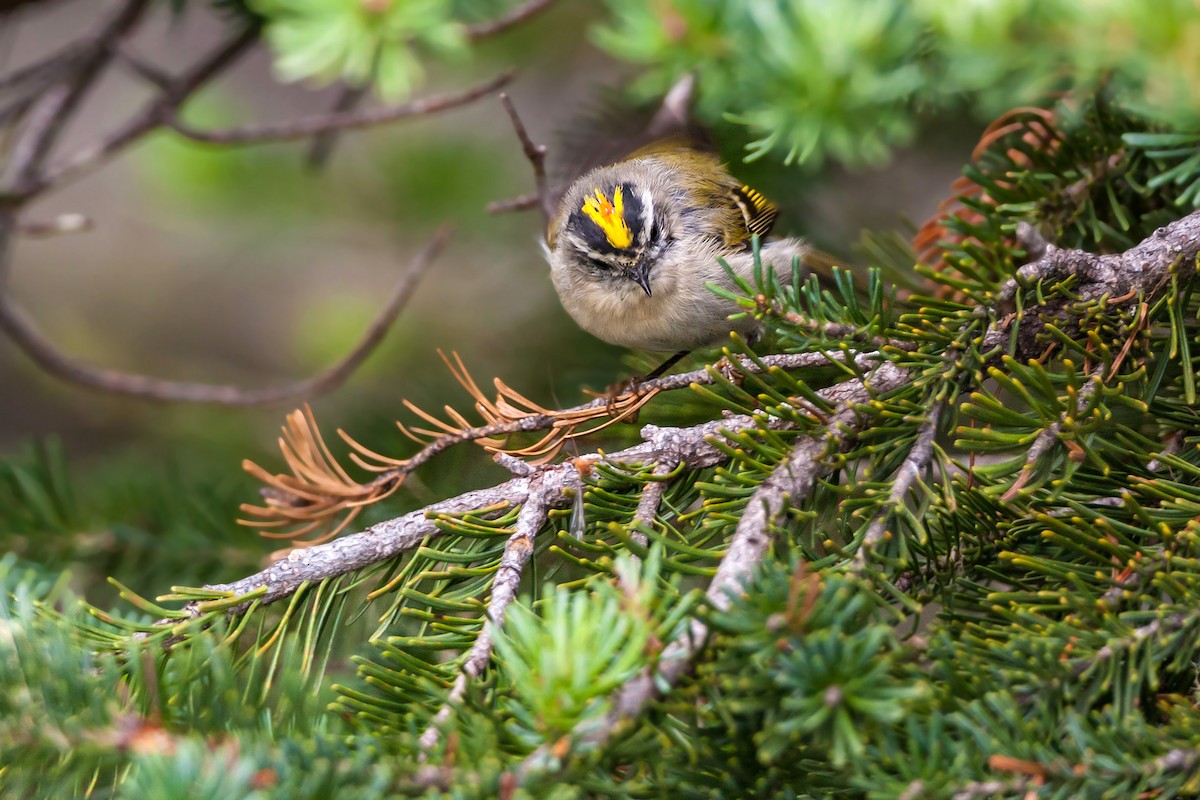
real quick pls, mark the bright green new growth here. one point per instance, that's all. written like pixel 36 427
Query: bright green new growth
pixel 359 41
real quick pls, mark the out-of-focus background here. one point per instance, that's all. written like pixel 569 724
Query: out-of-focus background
pixel 241 265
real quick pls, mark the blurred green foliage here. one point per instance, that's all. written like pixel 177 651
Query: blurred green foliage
pixel 358 42
pixel 847 81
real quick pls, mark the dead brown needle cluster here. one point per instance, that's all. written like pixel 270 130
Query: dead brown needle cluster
pixel 318 489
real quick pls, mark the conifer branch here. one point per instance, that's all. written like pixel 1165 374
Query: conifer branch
pixel 300 502
pixel 915 463
pixel 692 447
pixel 1124 278
pixel 789 483
pixel 516 555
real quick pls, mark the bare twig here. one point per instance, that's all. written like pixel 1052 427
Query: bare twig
pixel 51 114
pixel 515 16
pixel 48 69
pixel 338 121
pixel 525 202
pixel 22 331
pixel 536 155
pixel 516 555
pixel 321 149
pixel 1049 435
pixel 915 462
pixel 143 68
pixel 155 113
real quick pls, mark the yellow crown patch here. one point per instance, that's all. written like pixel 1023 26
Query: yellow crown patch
pixel 610 217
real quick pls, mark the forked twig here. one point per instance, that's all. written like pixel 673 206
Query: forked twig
pixel 536 155
pixel 516 555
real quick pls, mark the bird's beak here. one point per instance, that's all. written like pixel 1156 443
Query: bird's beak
pixel 640 276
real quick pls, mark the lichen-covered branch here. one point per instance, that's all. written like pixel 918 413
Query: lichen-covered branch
pixel 693 447
pixel 1124 278
pixel 790 483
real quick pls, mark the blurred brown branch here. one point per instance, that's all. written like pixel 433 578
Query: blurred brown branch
pixel 338 121
pixel 536 155
pixel 516 15
pixel 21 330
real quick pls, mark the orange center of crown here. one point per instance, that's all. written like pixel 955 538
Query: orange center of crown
pixel 609 217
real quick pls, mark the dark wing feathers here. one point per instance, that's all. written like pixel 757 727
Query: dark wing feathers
pixel 758 212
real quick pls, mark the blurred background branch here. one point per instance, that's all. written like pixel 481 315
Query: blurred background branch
pixel 65 80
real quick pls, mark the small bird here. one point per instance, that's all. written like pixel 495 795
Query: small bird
pixel 634 244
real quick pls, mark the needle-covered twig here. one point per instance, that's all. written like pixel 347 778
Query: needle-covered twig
pixel 915 463
pixel 516 555
pixel 318 489
pixel 790 483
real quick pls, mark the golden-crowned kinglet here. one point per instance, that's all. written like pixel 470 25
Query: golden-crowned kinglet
pixel 633 245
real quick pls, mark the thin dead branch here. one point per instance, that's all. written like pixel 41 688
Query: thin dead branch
pixel 536 155
pixel 338 121
pixel 77 74
pixel 321 149
pixel 515 16
pixel 22 331
pixel 155 113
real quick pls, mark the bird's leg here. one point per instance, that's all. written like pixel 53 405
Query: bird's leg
pixel 663 367
pixel 621 387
